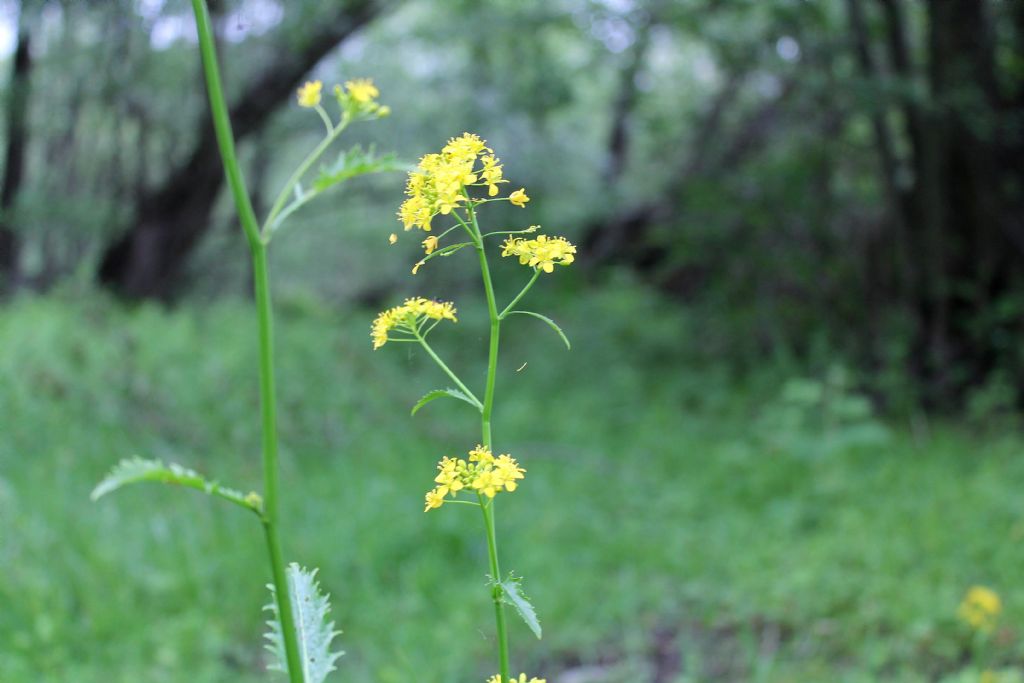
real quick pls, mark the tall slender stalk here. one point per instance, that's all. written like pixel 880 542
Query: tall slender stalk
pixel 268 404
pixel 485 428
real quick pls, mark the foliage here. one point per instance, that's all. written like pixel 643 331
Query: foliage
pixel 135 470
pixel 311 608
pixel 848 568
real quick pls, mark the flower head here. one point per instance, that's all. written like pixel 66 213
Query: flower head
pixel 442 181
pixel 409 318
pixel 359 98
pixel 519 197
pixel 481 472
pixel 362 90
pixel 430 244
pixel 309 94
pixel 491 173
pixel 542 252
pixel 496 678
pixel 980 608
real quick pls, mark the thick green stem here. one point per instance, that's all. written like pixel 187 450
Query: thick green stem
pixel 225 140
pixel 485 420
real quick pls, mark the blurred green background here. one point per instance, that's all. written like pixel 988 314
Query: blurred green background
pixel 787 439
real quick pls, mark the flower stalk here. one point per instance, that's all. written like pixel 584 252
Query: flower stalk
pixel 261 277
pixel 441 186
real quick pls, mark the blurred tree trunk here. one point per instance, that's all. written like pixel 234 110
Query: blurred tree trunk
pixel 14 163
pixel 969 252
pixel 170 219
pixel 955 215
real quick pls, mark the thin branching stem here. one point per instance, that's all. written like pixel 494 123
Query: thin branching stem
pixel 293 181
pixel 520 295
pixel 444 367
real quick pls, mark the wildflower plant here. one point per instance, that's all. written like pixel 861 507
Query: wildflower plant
pixel 447 191
pixel 979 611
pixel 300 637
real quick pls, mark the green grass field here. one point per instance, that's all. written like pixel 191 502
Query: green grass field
pixel 670 529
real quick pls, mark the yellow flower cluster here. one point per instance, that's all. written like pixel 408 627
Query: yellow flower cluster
pixel 980 608
pixel 309 94
pixel 496 678
pixel 482 472
pixel 438 185
pixel 409 318
pixel 359 96
pixel 542 252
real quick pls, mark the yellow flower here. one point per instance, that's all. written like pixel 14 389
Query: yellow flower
pixel 482 455
pixel 449 477
pixel 486 482
pixel 507 470
pixel 309 94
pixel 496 678
pixel 416 266
pixel 519 197
pixel 409 318
pixel 482 472
pixel 434 499
pixel 491 174
pixel 441 181
pixel 392 238
pixel 980 608
pixel 362 90
pixel 430 244
pixel 542 252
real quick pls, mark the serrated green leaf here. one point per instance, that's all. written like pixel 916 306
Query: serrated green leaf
pixel 512 594
pixel 314 634
pixel 441 393
pixel 137 470
pixel 550 322
pixel 354 162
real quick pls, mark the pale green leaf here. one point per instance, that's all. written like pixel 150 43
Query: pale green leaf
pixel 442 393
pixel 512 594
pixel 352 163
pixel 549 321
pixel 314 634
pixel 137 470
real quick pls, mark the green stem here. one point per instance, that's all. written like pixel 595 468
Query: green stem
pixel 520 295
pixel 445 368
pixel 225 140
pixel 496 596
pixel 293 180
pixel 485 425
pixel 222 123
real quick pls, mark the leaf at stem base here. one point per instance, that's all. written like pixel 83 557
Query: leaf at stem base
pixel 512 594
pixel 314 633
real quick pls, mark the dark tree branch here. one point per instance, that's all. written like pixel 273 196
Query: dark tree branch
pixel 171 219
pixel 14 162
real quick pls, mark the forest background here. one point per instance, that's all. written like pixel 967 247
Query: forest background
pixel 787 438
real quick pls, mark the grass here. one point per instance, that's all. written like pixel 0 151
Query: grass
pixel 666 533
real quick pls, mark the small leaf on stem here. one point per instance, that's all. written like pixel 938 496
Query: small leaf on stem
pixel 441 393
